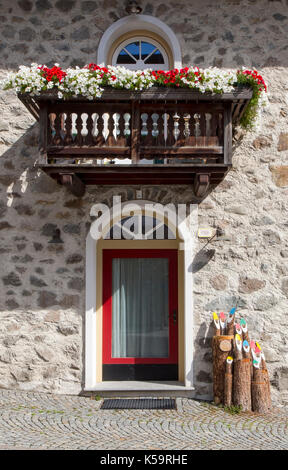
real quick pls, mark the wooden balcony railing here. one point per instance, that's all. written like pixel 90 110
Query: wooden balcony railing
pixel 153 137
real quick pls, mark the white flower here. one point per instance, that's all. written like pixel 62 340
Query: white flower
pixel 82 81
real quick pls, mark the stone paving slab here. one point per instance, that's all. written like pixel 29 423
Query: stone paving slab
pixel 30 420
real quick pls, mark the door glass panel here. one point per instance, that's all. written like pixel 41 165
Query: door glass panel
pixel 140 307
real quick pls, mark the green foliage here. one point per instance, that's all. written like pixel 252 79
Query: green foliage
pixel 232 409
pixel 256 82
pixel 97 398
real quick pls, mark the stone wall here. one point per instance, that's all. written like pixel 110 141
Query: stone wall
pixel 42 285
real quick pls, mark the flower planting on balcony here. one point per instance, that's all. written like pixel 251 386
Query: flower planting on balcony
pixel 89 82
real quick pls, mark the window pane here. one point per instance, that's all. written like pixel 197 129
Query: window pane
pixel 155 58
pixel 140 307
pixel 124 58
pixel 146 49
pixel 133 48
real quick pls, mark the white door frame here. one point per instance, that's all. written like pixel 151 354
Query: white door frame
pixel 91 298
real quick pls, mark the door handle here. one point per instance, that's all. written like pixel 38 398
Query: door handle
pixel 174 316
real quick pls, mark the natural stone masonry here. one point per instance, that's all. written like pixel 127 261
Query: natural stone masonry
pixel 42 421
pixel 42 292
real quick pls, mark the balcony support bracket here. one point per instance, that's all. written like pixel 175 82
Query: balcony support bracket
pixel 201 184
pixel 73 183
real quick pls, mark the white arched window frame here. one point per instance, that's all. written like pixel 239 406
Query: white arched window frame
pixel 141 62
pixel 136 23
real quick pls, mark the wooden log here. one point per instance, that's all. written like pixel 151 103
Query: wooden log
pixel 222 319
pixel 216 324
pixel 268 391
pixel 259 391
pixel 221 349
pixel 246 349
pixel 230 324
pixel 237 347
pixel 266 379
pixel 228 382
pixel 244 329
pixel 238 329
pixel 242 384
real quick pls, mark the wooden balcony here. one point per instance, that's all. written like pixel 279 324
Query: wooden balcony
pixel 158 136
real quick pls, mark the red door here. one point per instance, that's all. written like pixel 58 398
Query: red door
pixel 140 320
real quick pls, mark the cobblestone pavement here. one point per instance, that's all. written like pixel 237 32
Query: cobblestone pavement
pixel 31 420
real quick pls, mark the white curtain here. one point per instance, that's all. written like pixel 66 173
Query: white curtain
pixel 140 307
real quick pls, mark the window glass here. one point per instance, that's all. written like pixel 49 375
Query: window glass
pixel 134 49
pixel 140 54
pixel 155 58
pixel 125 58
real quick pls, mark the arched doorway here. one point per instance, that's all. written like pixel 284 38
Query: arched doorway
pixel 177 351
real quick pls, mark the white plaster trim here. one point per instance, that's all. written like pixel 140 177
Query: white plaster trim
pixel 90 317
pixel 91 298
pixel 134 23
pixel 188 314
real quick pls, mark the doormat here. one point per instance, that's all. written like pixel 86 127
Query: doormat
pixel 139 404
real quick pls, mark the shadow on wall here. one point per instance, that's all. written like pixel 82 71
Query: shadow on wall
pixel 41 283
pixel 201 259
pixel 202 365
pixel 18 172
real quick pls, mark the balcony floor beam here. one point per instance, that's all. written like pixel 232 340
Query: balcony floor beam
pixel 73 183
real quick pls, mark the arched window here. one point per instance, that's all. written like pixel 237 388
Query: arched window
pixel 140 53
pixel 140 41
pixel 143 226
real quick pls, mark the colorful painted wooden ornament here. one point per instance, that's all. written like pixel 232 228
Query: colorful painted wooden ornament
pixel 262 356
pixel 243 325
pixel 216 320
pixel 257 350
pixel 255 355
pixel 229 359
pixel 238 341
pixel 232 311
pixel 229 318
pixel 238 328
pixel 256 364
pixel 222 320
pixel 252 345
pixel 258 346
pixel 246 346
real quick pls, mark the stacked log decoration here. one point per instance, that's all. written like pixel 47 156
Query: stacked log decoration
pixel 230 321
pixel 261 395
pixel 221 347
pixel 228 383
pixel 240 375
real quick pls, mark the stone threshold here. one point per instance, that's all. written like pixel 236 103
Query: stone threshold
pixel 135 387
